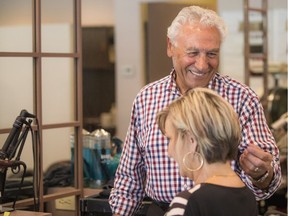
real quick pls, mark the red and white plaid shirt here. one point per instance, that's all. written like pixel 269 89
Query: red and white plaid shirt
pixel 146 169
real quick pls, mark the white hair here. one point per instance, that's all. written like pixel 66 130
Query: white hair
pixel 196 14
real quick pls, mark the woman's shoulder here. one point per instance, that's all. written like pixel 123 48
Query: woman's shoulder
pixel 186 194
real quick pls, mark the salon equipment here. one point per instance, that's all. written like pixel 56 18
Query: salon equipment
pixel 100 157
pixel 13 141
pixel 10 156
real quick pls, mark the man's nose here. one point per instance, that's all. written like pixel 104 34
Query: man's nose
pixel 201 62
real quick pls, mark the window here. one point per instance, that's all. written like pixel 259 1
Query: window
pixel 41 71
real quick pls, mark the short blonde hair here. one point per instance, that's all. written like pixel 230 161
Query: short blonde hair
pixel 210 119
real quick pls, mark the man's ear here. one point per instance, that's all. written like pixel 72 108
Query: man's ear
pixel 169 48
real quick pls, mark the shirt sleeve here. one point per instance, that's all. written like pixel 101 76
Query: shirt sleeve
pixel 128 191
pixel 256 131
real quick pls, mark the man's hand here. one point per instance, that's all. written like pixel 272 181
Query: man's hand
pixel 257 163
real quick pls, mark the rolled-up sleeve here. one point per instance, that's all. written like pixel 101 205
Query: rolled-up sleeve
pixel 256 131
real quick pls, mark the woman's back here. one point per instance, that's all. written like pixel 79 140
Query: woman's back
pixel 209 199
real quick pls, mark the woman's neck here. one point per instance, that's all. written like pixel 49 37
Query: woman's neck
pixel 214 172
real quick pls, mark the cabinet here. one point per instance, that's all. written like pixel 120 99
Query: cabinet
pixel 98 43
pixel 256 52
pixel 98 74
pixel 257 59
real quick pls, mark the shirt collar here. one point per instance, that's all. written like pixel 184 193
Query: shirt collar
pixel 212 82
pixel 172 86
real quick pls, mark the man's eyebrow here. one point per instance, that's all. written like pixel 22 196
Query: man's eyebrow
pixel 205 50
pixel 214 50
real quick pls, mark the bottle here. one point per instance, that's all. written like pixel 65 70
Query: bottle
pixel 102 154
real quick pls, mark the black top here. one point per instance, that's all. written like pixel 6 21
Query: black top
pixel 214 200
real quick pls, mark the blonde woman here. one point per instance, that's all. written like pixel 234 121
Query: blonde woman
pixel 204 135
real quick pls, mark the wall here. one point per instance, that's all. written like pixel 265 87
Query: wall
pixel 98 12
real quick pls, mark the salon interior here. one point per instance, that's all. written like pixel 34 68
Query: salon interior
pixel 69 72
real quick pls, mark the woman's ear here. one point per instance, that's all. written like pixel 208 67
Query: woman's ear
pixel 193 143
